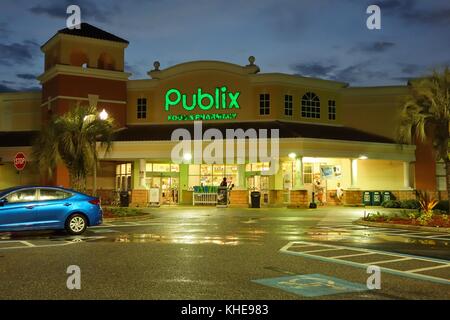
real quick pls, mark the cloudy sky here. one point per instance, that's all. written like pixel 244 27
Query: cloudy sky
pixel 319 38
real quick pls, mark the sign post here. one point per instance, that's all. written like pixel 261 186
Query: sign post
pixel 20 162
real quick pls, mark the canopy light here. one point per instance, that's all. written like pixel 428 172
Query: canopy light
pixel 187 157
pixel 292 155
pixel 363 157
pixel 103 115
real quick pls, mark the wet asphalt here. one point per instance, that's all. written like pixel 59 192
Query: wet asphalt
pixel 212 253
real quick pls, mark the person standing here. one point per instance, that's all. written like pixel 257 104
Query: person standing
pixel 224 182
pixel 339 193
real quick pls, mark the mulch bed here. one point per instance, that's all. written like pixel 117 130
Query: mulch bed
pixel 436 221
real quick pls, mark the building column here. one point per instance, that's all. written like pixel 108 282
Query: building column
pixel 242 183
pixel 354 173
pixel 142 164
pixel 406 175
pixel 298 183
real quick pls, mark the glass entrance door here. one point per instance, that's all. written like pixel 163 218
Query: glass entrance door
pixel 168 188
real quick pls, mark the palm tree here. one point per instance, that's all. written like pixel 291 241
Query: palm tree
pixel 72 138
pixel 426 115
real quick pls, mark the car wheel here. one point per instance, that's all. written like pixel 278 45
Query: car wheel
pixel 76 224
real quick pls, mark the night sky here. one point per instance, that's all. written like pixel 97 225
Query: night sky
pixel 321 38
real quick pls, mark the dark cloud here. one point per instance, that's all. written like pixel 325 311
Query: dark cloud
pixel 134 69
pixel 375 47
pixel 402 79
pixel 314 69
pixel 359 72
pixel 393 5
pixel 409 68
pixel 408 10
pixel 89 9
pixel 355 73
pixel 18 53
pixel 441 17
pixel 26 76
pixel 6 88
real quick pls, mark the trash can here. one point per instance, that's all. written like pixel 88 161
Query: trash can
pixel 386 196
pixel 255 199
pixel 367 198
pixel 124 199
pixel 376 198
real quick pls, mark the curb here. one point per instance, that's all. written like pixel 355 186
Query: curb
pixel 400 226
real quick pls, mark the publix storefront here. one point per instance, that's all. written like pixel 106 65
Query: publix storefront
pixel 186 127
pixel 193 124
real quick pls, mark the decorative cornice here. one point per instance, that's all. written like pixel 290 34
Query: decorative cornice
pixel 83 72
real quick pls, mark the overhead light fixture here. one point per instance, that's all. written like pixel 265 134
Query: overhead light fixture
pixel 292 155
pixel 187 157
pixel 363 157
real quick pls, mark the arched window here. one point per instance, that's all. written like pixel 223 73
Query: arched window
pixel 310 106
pixel 106 62
pixel 78 58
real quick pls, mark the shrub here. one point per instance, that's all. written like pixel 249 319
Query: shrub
pixel 410 204
pixel 427 203
pixel 391 204
pixel 377 217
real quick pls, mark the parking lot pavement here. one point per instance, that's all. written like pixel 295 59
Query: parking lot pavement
pixel 208 253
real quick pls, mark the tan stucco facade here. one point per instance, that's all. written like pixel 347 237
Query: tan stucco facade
pixel 91 71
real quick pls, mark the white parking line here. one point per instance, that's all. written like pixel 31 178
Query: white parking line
pixel 388 261
pixel 429 268
pixel 353 255
pixel 27 243
pixel 319 250
pixel 393 232
pixel 398 258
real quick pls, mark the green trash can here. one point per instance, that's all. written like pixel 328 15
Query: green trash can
pixel 367 198
pixel 377 198
pixel 386 196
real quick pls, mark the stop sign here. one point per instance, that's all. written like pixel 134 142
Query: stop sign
pixel 20 161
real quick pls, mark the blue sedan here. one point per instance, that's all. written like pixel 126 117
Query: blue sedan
pixel 48 208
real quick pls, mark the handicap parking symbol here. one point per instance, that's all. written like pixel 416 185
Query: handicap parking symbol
pixel 312 285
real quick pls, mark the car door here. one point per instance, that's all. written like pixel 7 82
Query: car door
pixel 17 212
pixel 53 205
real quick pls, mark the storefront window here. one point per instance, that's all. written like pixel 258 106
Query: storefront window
pixel 307 173
pixel 162 167
pixel 194 169
pixel 258 166
pixel 123 176
pixel 212 175
pixel 288 174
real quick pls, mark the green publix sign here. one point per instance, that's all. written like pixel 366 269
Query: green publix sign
pixel 221 100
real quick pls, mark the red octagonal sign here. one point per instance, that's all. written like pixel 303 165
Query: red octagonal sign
pixel 20 161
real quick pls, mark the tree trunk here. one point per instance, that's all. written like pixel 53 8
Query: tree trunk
pixel 447 170
pixel 78 183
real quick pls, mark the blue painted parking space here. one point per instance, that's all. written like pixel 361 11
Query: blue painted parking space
pixel 312 285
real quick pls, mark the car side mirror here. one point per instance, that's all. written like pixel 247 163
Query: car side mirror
pixel 3 202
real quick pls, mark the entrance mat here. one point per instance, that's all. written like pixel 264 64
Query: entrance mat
pixel 312 285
